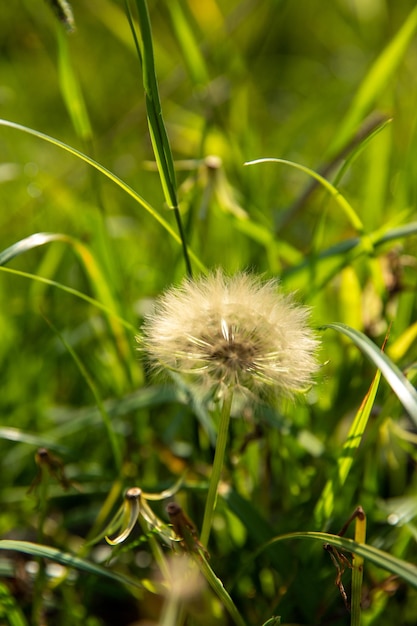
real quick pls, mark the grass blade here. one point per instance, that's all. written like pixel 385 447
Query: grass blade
pixel 15 434
pixel 157 129
pixel 66 559
pixel 115 179
pixel 395 378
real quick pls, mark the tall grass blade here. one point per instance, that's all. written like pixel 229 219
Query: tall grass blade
pixel 218 587
pixel 157 129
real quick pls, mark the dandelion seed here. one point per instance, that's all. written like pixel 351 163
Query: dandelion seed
pixel 232 333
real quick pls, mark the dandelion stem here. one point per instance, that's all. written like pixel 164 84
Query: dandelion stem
pixel 217 467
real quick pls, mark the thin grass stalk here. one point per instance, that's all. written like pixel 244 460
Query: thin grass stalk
pixel 217 467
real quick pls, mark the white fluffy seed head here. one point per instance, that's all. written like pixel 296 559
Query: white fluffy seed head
pixel 232 332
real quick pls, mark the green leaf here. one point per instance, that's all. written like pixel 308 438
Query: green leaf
pixel 392 374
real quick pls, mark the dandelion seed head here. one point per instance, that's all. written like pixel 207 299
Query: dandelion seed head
pixel 232 332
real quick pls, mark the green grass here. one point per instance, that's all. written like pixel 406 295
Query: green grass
pixel 110 194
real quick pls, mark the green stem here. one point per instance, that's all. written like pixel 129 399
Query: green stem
pixel 217 467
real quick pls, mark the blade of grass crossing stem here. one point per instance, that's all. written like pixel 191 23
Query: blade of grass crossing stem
pixel 158 133
pixel 402 387
pixel 115 179
pixel 325 505
pixel 357 570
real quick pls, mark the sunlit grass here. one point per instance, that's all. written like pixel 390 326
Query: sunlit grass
pixel 123 170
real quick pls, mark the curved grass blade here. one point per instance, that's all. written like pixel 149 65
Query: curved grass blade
pixel 325 505
pixel 28 243
pixel 350 213
pixel 70 290
pixel 115 179
pixel 395 378
pixel 66 559
pixel 15 434
pixel 405 570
